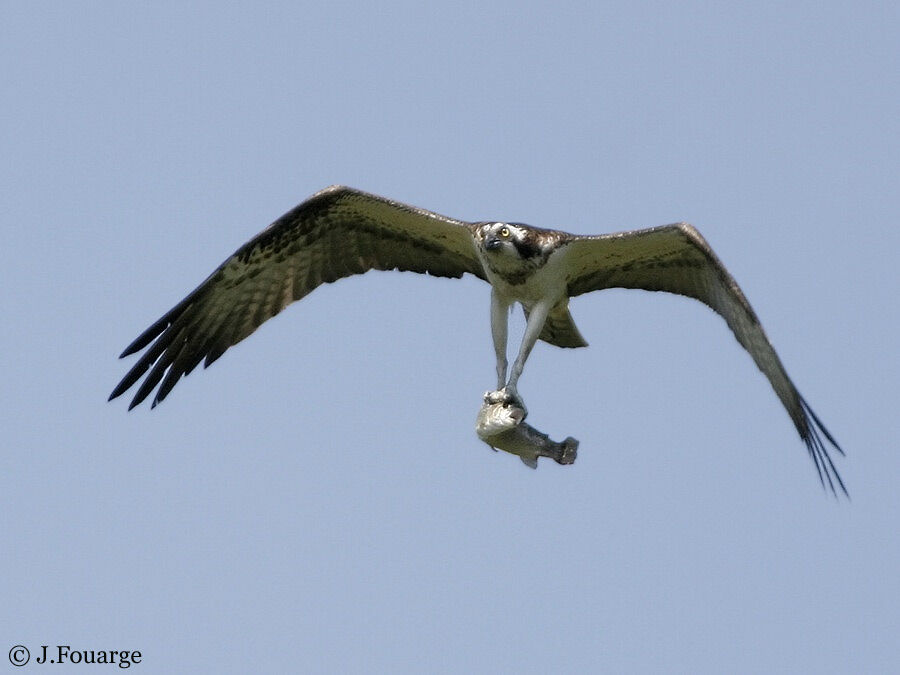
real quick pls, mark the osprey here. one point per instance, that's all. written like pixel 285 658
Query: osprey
pixel 339 232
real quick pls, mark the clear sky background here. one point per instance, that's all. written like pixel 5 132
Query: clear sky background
pixel 318 500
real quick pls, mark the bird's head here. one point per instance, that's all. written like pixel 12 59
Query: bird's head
pixel 508 239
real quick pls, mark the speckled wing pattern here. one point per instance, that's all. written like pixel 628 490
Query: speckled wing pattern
pixel 336 233
pixel 676 259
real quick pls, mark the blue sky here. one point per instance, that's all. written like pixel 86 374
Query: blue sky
pixel 318 501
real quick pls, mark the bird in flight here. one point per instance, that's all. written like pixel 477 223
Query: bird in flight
pixel 340 232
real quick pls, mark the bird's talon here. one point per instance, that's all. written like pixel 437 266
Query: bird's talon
pixel 507 398
pixel 493 397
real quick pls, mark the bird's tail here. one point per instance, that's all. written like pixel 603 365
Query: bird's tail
pixel 560 328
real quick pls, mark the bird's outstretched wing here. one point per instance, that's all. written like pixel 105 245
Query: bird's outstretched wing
pixel 336 233
pixel 676 259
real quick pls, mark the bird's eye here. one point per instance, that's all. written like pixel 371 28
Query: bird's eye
pixel 504 232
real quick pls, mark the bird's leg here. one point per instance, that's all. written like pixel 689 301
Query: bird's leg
pixel 500 332
pixel 536 319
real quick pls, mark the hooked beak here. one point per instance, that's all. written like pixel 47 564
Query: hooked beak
pixel 491 243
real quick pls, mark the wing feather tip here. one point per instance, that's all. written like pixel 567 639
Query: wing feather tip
pixel 817 438
pixel 137 345
pixel 825 467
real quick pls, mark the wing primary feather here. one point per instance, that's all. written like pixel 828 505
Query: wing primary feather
pixel 197 356
pixel 204 333
pixel 819 424
pixel 143 364
pixel 818 450
pixel 148 335
pixel 160 364
pixel 822 470
pixel 163 323
pixel 218 342
pixel 214 353
pixel 235 328
pixel 174 373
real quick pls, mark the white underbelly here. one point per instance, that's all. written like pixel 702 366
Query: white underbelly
pixel 546 283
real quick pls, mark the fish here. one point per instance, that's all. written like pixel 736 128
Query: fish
pixel 502 426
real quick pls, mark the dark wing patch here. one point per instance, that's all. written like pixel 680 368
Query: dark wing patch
pixel 676 259
pixel 336 233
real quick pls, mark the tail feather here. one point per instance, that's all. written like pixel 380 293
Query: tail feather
pixel 560 328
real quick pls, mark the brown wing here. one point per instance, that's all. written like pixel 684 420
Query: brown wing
pixel 676 259
pixel 336 233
